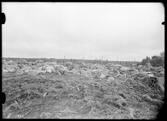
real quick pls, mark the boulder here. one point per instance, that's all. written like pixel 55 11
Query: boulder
pixel 43 67
pixel 113 74
pixel 62 67
pixel 9 68
pixel 4 62
pixel 26 69
pixel 132 72
pixel 74 71
pixel 140 66
pixel 95 73
pixel 10 62
pixel 50 69
pixel 32 72
pixel 97 66
pixel 149 74
pixel 57 72
pixel 104 71
pixel 22 61
pixel 39 61
pixel 117 66
pixel 82 64
pixel 16 67
pixel 56 67
pixel 110 79
pixel 20 71
pixel 53 63
pixel 102 76
pixel 21 66
pixel 61 71
pixel 69 66
pixel 41 71
pixel 83 73
pixel 68 72
pixel 12 70
pixel 4 70
pixel 121 76
pixel 124 69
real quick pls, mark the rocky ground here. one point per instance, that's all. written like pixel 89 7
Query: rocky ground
pixel 81 91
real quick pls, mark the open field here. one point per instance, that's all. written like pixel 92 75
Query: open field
pixel 81 90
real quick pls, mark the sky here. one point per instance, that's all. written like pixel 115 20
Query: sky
pixel 127 31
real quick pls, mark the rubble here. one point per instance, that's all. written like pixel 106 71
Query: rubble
pixel 22 61
pixel 81 89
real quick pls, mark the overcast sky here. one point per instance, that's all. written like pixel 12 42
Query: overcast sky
pixel 76 30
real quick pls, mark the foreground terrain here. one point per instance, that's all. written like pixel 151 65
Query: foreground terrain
pixel 83 90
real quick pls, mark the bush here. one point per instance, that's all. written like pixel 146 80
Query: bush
pixel 155 61
pixel 146 60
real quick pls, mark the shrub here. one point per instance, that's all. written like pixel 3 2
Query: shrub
pixel 155 61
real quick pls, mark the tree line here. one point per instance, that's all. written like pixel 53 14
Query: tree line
pixel 155 61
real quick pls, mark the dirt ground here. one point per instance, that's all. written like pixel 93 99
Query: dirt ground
pixel 77 97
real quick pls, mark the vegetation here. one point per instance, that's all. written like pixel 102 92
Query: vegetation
pixel 155 61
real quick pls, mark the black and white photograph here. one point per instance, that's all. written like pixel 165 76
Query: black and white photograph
pixel 83 60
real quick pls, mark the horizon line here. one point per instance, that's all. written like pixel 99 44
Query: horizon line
pixel 72 59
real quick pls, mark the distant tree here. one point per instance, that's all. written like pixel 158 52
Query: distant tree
pixel 146 60
pixel 155 61
pixel 154 57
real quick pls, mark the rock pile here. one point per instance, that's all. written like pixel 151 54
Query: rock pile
pixel 83 90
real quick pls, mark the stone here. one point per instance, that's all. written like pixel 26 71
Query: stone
pixel 149 74
pixel 22 61
pixel 4 70
pixel 33 72
pixel 56 67
pixel 9 68
pixel 140 66
pixel 83 73
pixel 10 62
pixel 102 76
pixel 39 61
pixel 4 62
pixel 21 66
pixel 132 72
pixel 21 71
pixel 74 71
pixel 124 68
pixel 57 72
pixel 110 79
pixel 121 76
pixel 50 69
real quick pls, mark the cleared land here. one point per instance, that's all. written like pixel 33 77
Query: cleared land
pixel 81 90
